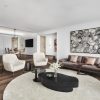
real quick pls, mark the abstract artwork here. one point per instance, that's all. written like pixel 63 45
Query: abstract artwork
pixel 85 41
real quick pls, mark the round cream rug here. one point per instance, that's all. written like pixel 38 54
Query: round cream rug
pixel 23 88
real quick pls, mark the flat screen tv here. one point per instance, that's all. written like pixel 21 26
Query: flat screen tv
pixel 29 43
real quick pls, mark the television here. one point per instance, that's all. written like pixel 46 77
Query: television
pixel 29 43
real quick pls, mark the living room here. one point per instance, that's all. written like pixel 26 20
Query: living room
pixel 57 34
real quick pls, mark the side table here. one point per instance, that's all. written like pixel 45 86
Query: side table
pixel 28 65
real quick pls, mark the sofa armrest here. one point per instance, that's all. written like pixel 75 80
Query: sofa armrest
pixel 63 60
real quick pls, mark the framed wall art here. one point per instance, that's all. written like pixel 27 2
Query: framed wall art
pixel 85 41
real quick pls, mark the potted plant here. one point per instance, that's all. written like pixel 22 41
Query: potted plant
pixel 55 66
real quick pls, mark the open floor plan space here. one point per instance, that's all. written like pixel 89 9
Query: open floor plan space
pixel 49 50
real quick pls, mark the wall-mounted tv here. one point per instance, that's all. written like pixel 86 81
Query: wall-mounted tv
pixel 29 43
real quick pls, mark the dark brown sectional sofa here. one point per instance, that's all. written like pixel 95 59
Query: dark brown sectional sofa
pixel 80 64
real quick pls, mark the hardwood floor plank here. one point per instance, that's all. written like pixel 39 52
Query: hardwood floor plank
pixel 5 78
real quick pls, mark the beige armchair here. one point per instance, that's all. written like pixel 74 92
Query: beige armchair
pixel 12 63
pixel 40 61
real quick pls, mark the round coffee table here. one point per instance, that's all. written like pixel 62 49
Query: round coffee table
pixel 61 83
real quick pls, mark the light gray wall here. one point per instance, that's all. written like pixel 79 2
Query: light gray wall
pixel 50 44
pixel 63 38
pixel 62 44
pixel 31 50
pixel 5 42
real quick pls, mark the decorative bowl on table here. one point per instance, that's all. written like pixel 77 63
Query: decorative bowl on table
pixel 50 75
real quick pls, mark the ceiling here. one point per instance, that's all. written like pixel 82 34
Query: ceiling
pixel 42 15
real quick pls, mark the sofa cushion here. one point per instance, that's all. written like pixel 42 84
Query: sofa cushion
pixel 97 61
pixel 69 64
pixel 73 58
pixel 69 57
pixel 90 60
pixel 63 60
pixel 90 68
pixel 83 59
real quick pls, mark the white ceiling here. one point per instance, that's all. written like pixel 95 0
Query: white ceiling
pixel 41 15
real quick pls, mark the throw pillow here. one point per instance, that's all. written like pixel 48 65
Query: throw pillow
pixel 97 62
pixel 73 58
pixel 90 61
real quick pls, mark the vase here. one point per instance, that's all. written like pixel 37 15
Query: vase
pixel 55 73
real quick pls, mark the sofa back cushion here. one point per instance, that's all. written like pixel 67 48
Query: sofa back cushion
pixel 90 60
pixel 79 59
pixel 84 59
pixel 97 62
pixel 69 57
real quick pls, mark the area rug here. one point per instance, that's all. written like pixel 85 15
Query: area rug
pixel 23 88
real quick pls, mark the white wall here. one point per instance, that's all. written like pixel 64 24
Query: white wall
pixel 83 26
pixel 50 44
pixel 21 43
pixel 63 39
pixel 38 43
pixel 31 50
pixel 62 44
pixel 5 42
